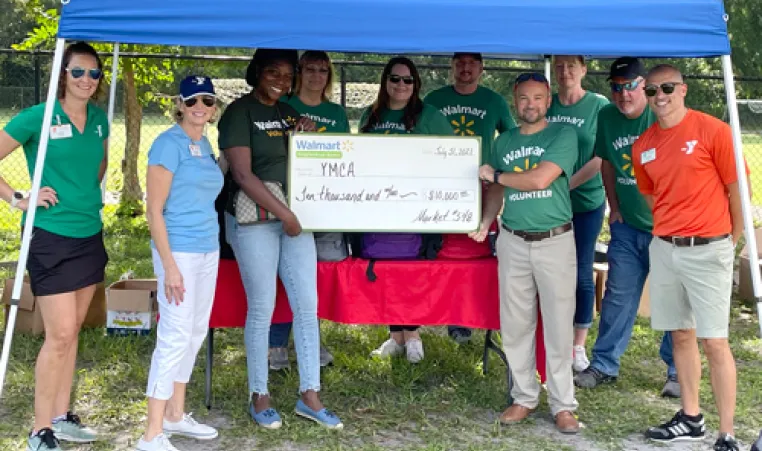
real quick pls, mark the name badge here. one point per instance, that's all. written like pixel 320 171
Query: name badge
pixel 648 156
pixel 195 150
pixel 60 131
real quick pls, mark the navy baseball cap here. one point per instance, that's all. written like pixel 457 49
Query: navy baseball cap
pixel 626 67
pixel 195 85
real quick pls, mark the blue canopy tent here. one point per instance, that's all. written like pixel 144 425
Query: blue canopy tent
pixel 522 29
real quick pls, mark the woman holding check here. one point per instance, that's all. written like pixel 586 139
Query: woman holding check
pixel 182 184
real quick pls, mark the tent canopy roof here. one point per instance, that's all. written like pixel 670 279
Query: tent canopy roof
pixel 505 28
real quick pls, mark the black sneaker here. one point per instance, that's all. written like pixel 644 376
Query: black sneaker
pixel 757 446
pixel 592 377
pixel 680 428
pixel 43 440
pixel 726 443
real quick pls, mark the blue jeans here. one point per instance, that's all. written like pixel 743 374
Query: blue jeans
pixel 587 227
pixel 263 252
pixel 279 333
pixel 628 268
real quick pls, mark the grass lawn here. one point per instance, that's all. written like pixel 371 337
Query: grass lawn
pixel 444 403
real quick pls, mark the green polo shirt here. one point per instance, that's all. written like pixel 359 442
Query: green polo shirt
pixel 583 117
pixel 539 210
pixel 328 117
pixel 616 134
pixel 72 165
pixel 481 113
pixel 262 128
pixel 430 122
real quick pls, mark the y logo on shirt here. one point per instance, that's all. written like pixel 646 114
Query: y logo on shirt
pixel 690 146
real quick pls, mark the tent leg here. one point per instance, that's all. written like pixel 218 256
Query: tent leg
pixel 26 237
pixel 743 185
pixel 111 106
pixel 547 67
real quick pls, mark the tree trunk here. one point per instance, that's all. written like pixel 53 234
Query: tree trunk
pixel 132 195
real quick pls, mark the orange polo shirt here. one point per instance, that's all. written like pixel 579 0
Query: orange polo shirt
pixel 686 169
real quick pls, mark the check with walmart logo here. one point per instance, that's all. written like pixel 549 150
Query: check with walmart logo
pixel 385 183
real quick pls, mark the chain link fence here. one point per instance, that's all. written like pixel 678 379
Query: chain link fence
pixel 24 80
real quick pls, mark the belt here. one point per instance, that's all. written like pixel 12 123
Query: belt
pixel 538 236
pixel 690 241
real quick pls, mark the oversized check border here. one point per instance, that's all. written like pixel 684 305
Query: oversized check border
pixel 292 156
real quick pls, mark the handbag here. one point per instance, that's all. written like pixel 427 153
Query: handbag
pixel 247 211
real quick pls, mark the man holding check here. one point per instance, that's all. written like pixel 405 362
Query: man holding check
pixel 530 172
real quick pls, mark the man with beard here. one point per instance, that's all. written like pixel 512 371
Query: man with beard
pixel 536 253
pixel 630 222
pixel 471 110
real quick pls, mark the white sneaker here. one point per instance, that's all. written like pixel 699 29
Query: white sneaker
pixel 580 363
pixel 159 443
pixel 414 350
pixel 188 427
pixel 389 348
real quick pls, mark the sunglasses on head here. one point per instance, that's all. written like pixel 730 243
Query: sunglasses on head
pixel 407 79
pixel 208 101
pixel 78 72
pixel 667 88
pixel 629 86
pixel 535 76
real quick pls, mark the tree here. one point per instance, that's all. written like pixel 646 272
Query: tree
pixel 139 76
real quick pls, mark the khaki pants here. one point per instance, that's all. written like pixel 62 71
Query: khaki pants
pixel 550 268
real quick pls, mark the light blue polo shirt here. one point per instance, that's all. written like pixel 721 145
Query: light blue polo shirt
pixel 197 180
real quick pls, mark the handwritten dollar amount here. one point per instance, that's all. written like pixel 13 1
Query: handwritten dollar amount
pixel 437 216
pixel 448 195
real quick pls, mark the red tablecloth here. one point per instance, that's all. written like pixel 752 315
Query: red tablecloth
pixel 426 292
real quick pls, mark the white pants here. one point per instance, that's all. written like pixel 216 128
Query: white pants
pixel 182 328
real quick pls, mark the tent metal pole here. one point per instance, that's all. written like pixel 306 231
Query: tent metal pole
pixel 26 237
pixel 547 67
pixel 743 185
pixel 111 107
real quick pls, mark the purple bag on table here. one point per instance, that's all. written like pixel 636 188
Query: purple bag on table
pixel 391 246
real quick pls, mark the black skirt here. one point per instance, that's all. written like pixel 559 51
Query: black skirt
pixel 60 264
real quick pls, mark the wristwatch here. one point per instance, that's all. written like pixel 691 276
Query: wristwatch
pixel 16 198
pixel 496 177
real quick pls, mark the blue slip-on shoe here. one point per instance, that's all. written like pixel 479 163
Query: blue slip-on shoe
pixel 268 418
pixel 323 417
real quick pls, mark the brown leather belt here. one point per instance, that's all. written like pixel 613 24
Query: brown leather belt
pixel 538 236
pixel 690 241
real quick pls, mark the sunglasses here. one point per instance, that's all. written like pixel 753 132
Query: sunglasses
pixel 629 86
pixel 408 79
pixel 208 101
pixel 667 88
pixel 78 72
pixel 531 76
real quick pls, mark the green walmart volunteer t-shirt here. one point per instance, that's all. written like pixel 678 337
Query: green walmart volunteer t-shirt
pixel 616 134
pixel 328 117
pixel 430 122
pixel 72 166
pixel 478 114
pixel 540 210
pixel 249 123
pixel 583 116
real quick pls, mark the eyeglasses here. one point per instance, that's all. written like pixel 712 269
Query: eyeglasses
pixel 407 79
pixel 535 76
pixel 208 101
pixel 78 72
pixel 629 86
pixel 667 88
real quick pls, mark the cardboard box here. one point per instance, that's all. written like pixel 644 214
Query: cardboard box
pixel 131 307
pixel 29 319
pixel 745 287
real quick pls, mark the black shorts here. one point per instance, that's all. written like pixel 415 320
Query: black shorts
pixel 60 264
